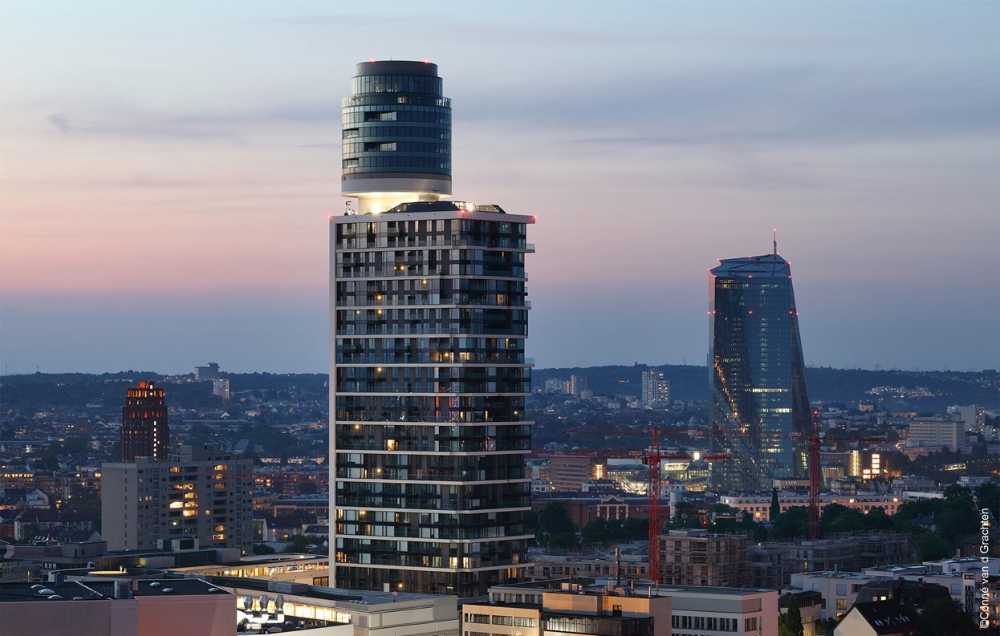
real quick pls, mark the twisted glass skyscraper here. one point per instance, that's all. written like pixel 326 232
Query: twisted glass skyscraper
pixel 759 406
pixel 428 435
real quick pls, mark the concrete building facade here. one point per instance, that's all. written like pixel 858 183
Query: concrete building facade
pixel 198 497
pixel 692 610
pixel 939 433
pixel 109 608
pixel 696 557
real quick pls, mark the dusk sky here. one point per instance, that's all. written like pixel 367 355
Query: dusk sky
pixel 167 171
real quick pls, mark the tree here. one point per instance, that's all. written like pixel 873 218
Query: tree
pixel 555 528
pixel 686 516
pixel 945 616
pixel 876 519
pixel 635 529
pixel 957 516
pixel 914 516
pixel 790 623
pixel 729 526
pixel 791 524
pixel 775 504
pixel 756 530
pixel 260 548
pixel 605 532
pixel 596 532
pixel 840 519
pixel 988 496
pixel 531 522
pixel 931 546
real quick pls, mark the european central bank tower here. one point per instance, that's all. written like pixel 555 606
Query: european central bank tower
pixel 759 406
pixel 428 320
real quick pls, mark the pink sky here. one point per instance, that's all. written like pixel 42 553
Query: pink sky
pixel 172 175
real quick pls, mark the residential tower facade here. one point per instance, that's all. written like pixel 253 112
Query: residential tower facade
pixel 145 432
pixel 196 498
pixel 428 378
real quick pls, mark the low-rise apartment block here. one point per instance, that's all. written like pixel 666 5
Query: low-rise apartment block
pixel 585 606
pixel 198 497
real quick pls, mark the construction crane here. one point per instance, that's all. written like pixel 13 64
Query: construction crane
pixel 651 457
pixel 815 475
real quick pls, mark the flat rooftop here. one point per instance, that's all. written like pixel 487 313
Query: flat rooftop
pixel 836 574
pixel 101 590
pixel 70 591
pixel 673 590
pixel 362 597
pixel 598 586
pixel 176 587
pixel 766 265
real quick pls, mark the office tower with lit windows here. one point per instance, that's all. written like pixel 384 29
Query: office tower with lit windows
pixel 655 389
pixel 145 432
pixel 428 377
pixel 759 406
pixel 194 498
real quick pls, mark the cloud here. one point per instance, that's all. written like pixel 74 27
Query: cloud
pixel 527 32
pixel 344 20
pixel 137 126
pixel 750 106
pixel 60 123
pixel 333 145
pixel 149 181
pixel 646 106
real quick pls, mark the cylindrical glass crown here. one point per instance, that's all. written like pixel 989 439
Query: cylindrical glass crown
pixel 396 130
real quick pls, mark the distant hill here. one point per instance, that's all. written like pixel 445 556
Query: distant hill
pixel 105 392
pixel 690 382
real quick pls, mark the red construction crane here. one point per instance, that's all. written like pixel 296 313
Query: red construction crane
pixel 651 457
pixel 815 475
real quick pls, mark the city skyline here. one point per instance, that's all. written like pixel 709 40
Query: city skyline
pixel 210 164
pixel 392 319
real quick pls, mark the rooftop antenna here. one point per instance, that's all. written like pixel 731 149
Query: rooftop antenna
pixel 618 566
pixel 774 240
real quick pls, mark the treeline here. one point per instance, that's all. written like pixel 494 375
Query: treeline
pixel 42 391
pixel 938 528
pixel 554 528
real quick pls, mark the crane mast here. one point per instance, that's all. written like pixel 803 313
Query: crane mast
pixel 652 457
pixel 815 475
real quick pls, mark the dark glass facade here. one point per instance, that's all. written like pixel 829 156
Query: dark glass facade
pixel 396 124
pixel 759 406
pixel 429 435
pixel 145 432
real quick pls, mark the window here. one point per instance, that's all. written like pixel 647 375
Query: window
pixel 514 621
